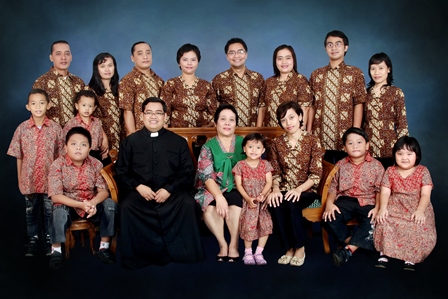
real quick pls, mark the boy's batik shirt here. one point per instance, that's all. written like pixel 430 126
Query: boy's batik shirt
pixel 38 148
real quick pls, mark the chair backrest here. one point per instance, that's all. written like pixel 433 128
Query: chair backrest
pixel 328 172
pixel 108 174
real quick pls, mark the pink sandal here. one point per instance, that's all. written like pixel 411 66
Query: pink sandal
pixel 259 259
pixel 248 259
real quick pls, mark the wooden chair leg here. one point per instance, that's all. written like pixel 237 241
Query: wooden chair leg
pixel 92 233
pixel 325 241
pixel 69 242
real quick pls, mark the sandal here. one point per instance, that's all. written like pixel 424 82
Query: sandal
pixel 248 259
pixel 221 258
pixel 259 259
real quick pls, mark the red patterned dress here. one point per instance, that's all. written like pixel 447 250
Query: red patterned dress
pixel 254 222
pixel 400 237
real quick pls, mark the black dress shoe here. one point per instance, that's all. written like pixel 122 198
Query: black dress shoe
pixel 106 256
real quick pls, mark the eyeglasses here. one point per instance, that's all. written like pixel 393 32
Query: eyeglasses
pixel 151 113
pixel 335 45
pixel 233 53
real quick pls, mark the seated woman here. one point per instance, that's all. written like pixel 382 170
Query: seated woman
pixel 216 191
pixel 296 157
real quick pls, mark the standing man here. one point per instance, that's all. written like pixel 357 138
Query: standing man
pixel 60 85
pixel 339 94
pixel 159 217
pixel 139 84
pixel 239 86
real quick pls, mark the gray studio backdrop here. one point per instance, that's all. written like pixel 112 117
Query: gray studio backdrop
pixel 413 33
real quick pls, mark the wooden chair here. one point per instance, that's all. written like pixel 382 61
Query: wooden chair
pixel 108 173
pixel 314 212
pixel 85 224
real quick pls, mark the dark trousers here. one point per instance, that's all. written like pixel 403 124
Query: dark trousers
pixel 350 208
pixel 289 220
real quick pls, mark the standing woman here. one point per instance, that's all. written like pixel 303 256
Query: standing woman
pixel 286 85
pixel 296 157
pixel 104 83
pixel 216 190
pixel 191 101
pixel 385 111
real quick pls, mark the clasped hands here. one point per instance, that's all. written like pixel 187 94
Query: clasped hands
pixel 146 192
pixel 88 207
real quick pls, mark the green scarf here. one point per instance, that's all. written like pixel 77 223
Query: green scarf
pixel 224 162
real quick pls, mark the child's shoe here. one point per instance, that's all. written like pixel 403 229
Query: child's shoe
pixel 296 261
pixel 32 246
pixel 382 262
pixel 341 256
pixel 106 256
pixel 47 246
pixel 55 261
pixel 248 259
pixel 259 259
pixel 408 266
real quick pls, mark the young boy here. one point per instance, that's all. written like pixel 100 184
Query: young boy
pixel 36 143
pixel 354 193
pixel 77 189
pixel 339 94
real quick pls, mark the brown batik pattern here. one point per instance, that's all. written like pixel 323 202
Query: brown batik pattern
pixel 347 93
pixel 61 90
pixel 189 106
pixel 245 94
pixel 134 89
pixel 109 114
pixel 295 88
pixel 385 120
pixel 295 165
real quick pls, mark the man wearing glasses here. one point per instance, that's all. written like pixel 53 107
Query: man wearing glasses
pixel 339 93
pixel 158 215
pixel 239 86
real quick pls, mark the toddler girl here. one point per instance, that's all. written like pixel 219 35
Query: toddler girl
pixel 405 222
pixel 253 179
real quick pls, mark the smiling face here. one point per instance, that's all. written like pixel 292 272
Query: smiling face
pixel 226 124
pixel 153 117
pixel 236 55
pixel 106 69
pixel 284 61
pixel 253 149
pixel 335 48
pixel 189 63
pixel 77 148
pixel 142 57
pixel 405 158
pixel 85 106
pixel 61 57
pixel 37 105
pixel 379 73
pixel 356 147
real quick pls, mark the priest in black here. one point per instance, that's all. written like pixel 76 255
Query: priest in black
pixel 158 215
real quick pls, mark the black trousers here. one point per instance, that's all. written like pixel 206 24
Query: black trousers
pixel 350 208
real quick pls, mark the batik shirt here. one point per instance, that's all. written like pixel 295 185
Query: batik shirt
pixel 385 120
pixel 189 106
pixel 336 92
pixel 61 91
pixel 38 148
pixel 78 183
pixel 295 88
pixel 243 93
pixel 134 89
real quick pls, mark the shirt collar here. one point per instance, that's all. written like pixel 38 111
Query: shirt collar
pixel 79 119
pixel 339 66
pixel 148 133
pixel 367 158
pixel 31 123
pixel 56 73
pixel 70 162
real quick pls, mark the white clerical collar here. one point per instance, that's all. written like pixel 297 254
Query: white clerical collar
pixel 154 134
